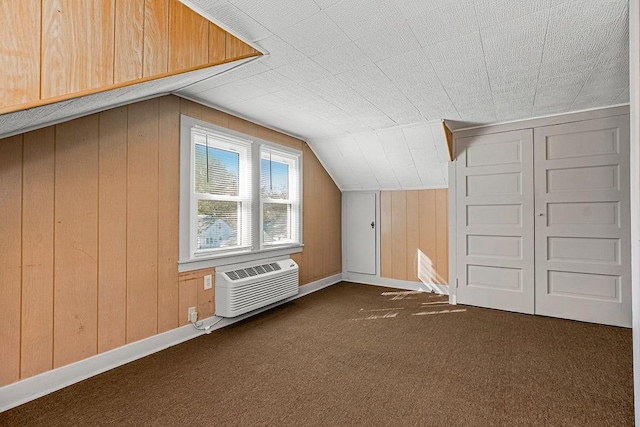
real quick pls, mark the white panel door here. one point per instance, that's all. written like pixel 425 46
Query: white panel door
pixel 582 221
pixel 360 232
pixel 494 195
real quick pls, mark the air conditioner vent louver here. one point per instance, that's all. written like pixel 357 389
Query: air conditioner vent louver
pixel 252 271
pixel 243 290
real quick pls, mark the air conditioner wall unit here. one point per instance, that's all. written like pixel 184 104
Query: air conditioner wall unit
pixel 240 290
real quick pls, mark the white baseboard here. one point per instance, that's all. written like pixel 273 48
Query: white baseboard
pixel 395 283
pixel 31 388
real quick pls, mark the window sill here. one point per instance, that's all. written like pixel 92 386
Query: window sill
pixel 238 257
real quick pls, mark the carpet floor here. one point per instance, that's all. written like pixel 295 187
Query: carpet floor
pixel 364 355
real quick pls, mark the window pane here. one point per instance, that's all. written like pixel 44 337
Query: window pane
pixel 275 223
pixel 216 172
pixel 274 179
pixel 218 224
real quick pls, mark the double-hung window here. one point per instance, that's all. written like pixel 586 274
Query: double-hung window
pixel 221 193
pixel 239 196
pixel 279 197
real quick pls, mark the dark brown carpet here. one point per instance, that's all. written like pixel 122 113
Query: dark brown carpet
pixel 349 355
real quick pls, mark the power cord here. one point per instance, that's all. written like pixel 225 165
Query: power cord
pixel 207 329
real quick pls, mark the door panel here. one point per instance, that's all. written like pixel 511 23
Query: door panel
pixel 582 224
pixel 360 232
pixel 495 234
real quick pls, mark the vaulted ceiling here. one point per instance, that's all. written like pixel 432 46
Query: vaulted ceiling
pixel 351 73
pixel 368 82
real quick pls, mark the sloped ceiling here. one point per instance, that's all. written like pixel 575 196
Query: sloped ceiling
pixel 404 157
pixel 338 73
pixel 33 118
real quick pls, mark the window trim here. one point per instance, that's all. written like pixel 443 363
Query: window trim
pixel 187 261
pixel 295 195
pixel 244 149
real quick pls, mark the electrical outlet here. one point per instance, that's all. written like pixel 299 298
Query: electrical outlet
pixel 192 314
pixel 208 282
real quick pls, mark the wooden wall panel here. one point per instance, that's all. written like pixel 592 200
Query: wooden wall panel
pixel 77 46
pixel 37 252
pixel 193 294
pixel 217 43
pixel 129 40
pixel 112 229
pixel 428 241
pixel 413 234
pixel 216 117
pixel 191 109
pixel 236 48
pixel 95 230
pixel 20 47
pixel 322 219
pixel 61 49
pixel 188 297
pixel 314 205
pixel 206 302
pixel 156 37
pixel 10 257
pixel 244 126
pixel 315 246
pixel 142 220
pixel 442 235
pixel 76 245
pixel 399 234
pixel 280 138
pixel 413 222
pixel 185 26
pixel 168 211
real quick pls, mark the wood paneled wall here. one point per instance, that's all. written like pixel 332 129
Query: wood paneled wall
pixel 192 294
pixel 414 221
pixel 89 248
pixel 59 49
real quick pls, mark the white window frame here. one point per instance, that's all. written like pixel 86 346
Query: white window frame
pixel 188 260
pixel 243 148
pixel 294 221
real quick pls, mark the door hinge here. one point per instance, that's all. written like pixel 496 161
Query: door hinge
pixel 456 283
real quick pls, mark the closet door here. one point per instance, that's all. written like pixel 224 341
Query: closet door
pixel 360 232
pixel 582 221
pixel 494 191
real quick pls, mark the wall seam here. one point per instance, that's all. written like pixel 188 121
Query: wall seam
pixel 98 241
pixel 53 299
pixel 21 253
pixel 41 49
pixel 126 232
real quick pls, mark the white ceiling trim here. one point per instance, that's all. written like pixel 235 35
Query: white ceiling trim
pixel 461 126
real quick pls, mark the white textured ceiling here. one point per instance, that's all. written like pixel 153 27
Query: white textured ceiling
pixel 403 157
pixel 341 71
